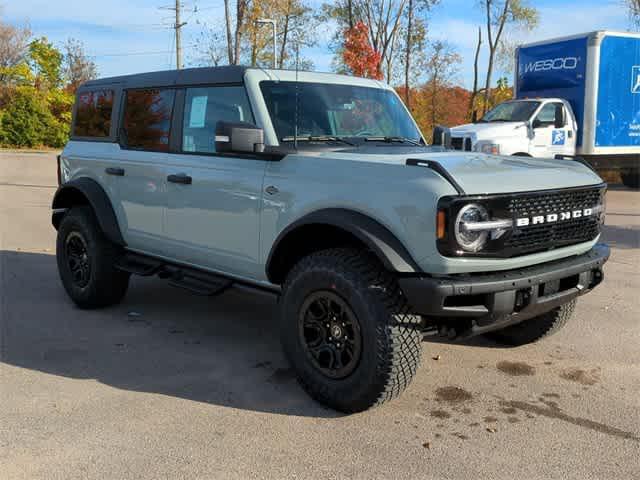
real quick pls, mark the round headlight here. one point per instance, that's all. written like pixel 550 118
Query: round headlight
pixel 471 241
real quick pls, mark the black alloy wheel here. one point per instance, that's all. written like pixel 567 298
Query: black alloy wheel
pixel 330 334
pixel 78 259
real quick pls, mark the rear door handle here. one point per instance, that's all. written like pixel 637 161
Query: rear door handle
pixel 119 172
pixel 180 178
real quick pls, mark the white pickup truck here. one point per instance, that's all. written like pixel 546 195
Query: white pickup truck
pixel 573 96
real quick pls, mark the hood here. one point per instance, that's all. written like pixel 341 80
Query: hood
pixel 478 173
pixel 488 130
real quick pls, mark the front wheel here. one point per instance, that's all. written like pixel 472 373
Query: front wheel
pixel 346 330
pixel 535 328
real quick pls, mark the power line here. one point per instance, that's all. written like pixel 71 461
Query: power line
pixel 129 54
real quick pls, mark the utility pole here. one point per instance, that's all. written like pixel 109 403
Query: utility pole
pixel 177 26
pixel 178 39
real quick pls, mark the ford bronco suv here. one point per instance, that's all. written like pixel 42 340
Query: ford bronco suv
pixel 320 189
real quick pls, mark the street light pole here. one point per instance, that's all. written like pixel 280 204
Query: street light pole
pixel 275 48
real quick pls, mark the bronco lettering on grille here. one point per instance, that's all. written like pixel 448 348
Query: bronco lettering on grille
pixel 554 217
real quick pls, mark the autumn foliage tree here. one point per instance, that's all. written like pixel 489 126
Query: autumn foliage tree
pixel 358 55
pixel 445 106
pixel 35 98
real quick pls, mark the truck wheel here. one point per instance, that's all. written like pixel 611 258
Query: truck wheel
pixel 631 179
pixel 346 331
pixel 535 328
pixel 86 261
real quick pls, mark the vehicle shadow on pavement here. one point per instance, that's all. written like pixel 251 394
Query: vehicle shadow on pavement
pixel 621 237
pixel 223 350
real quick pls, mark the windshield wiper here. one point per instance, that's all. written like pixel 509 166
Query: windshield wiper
pixel 391 139
pixel 317 138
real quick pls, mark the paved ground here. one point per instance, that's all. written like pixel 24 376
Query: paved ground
pixel 197 388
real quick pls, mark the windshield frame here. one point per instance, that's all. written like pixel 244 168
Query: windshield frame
pixel 410 121
pixel 536 105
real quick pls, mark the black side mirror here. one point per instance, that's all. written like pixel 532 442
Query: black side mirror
pixel 558 121
pixel 536 123
pixel 441 136
pixel 239 137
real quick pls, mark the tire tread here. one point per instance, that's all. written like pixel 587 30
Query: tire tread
pixel 536 328
pixel 399 339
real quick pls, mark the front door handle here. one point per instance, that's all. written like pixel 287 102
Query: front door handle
pixel 180 178
pixel 118 172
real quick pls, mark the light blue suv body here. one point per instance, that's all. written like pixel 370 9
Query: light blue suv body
pixel 242 173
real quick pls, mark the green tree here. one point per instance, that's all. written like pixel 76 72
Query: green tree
pixel 25 119
pixel 35 106
pixel 45 61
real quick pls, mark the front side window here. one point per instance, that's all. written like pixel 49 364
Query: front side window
pixel 93 113
pixel 204 108
pixel 147 119
pixel 547 114
pixel 519 111
pixel 322 109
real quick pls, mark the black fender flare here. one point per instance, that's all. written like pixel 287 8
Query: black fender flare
pixel 379 239
pixel 82 191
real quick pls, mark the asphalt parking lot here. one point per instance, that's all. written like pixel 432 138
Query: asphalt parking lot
pixel 169 385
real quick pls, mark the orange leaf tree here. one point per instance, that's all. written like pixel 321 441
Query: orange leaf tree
pixel 358 55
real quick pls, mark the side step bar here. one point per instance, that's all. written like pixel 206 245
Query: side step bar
pixel 196 281
pixel 200 283
pixel 139 264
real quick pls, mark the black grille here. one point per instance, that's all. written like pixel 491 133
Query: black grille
pixel 460 143
pixel 456 143
pixel 549 235
pixel 532 238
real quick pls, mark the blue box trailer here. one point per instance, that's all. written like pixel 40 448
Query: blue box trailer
pixel 598 73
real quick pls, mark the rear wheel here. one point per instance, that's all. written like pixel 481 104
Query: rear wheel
pixel 535 328
pixel 631 178
pixel 346 331
pixel 86 261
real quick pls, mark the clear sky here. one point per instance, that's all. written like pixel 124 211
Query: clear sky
pixel 129 36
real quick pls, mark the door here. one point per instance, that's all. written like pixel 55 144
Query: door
pixel 548 139
pixel 140 176
pixel 214 200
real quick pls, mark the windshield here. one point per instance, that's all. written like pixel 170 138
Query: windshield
pixel 330 110
pixel 511 112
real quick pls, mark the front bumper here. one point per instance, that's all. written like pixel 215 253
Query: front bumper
pixel 495 300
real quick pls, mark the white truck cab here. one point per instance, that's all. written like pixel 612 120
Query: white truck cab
pixel 527 127
pixel 573 96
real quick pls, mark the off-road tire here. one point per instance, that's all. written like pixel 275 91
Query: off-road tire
pixel 105 285
pixel 391 337
pixel 631 179
pixel 535 328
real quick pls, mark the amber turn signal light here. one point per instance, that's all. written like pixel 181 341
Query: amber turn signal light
pixel 440 224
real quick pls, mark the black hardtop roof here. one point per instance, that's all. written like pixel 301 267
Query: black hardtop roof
pixel 168 78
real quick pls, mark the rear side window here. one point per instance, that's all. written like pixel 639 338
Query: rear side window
pixel 147 119
pixel 93 113
pixel 204 108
